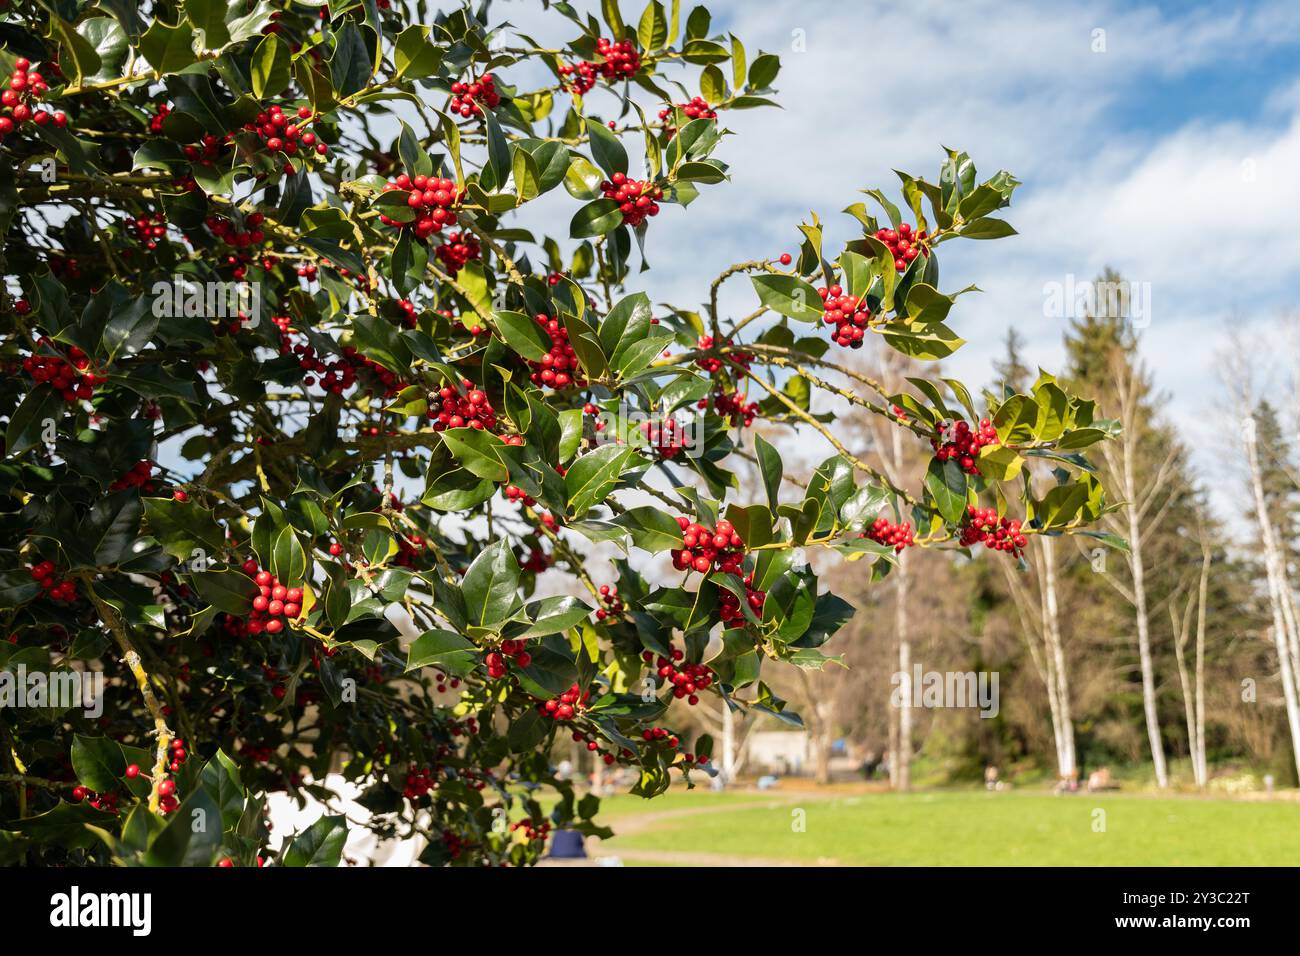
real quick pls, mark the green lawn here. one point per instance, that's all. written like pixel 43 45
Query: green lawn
pixel 952 828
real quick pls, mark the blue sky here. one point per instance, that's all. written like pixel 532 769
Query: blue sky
pixel 1167 146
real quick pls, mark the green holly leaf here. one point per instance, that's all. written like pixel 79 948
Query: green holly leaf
pixel 490 586
pixel 98 763
pixel 321 844
pixel 594 475
pixel 947 485
pixel 269 69
pixel 790 296
pixel 445 650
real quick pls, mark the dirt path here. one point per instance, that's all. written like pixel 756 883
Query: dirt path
pixel 690 858
pixel 641 822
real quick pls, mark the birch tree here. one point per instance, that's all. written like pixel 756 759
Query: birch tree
pixel 1239 380
pixel 1148 497
pixel 1194 687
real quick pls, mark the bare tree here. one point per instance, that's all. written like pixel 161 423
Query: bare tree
pixel 733 733
pixel 1147 502
pixel 896 460
pixel 1040 621
pixel 1194 691
pixel 1237 376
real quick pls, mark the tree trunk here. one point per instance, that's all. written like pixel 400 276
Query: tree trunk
pixel 1144 632
pixel 1203 603
pixel 728 744
pixel 1057 674
pixel 822 756
pixel 1040 624
pixel 902 776
pixel 821 733
pixel 1278 595
pixel 1193 705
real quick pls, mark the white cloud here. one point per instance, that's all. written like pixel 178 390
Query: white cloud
pixel 1200 207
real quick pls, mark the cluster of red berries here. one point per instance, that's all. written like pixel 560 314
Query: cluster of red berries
pixel 64 267
pixel 410 314
pixel 687 679
pixel 137 477
pixel 533 832
pixel 733 406
pixel 702 550
pixel 665 438
pixel 432 199
pixel 983 526
pixel 697 108
pixel 419 781
pixel 410 551
pixel 517 494
pixel 564 706
pixel 515 650
pixel 280 134
pixel 651 734
pixel 459 249
pixel 619 61
pixel 450 409
pixel 148 229
pixel 167 799
pixel 58 589
pixel 636 198
pixel 729 604
pixel 903 244
pixel 884 531
pixel 709 363
pixel 204 152
pixel 258 753
pixel 178 757
pixel 537 561
pixel 593 746
pixel 965 444
pixel 100 801
pixel 226 230
pixel 70 376
pixel 613 603
pixel 161 112
pixel 849 315
pixel 558 368
pixel 240 240
pixel 337 375
pixel 455 843
pixel 581 75
pixel 25 87
pixel 274 605
pixel 468 99
pixel 207 149
pixel 655 734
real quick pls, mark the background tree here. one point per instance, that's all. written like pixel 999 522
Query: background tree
pixel 1267 506
pixel 1151 465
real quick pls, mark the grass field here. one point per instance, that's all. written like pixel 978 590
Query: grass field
pixel 949 828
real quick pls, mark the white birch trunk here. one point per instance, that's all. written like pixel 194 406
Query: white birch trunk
pixel 1278 591
pixel 902 778
pixel 1055 654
